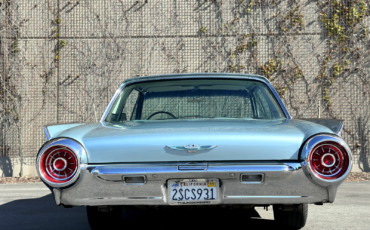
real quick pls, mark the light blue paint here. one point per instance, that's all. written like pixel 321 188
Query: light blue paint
pixel 54 130
pixel 237 139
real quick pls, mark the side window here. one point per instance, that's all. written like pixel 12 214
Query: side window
pixel 130 104
pixel 262 108
pixel 247 107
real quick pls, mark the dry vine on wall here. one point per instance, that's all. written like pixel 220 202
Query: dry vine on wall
pixel 344 69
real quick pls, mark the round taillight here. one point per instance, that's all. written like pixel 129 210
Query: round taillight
pixel 58 164
pixel 329 160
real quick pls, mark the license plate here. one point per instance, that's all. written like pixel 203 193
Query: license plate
pixel 193 191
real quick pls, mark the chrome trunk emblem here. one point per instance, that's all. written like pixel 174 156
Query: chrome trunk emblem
pixel 192 148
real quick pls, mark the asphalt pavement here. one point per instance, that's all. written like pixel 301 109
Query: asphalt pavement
pixel 31 206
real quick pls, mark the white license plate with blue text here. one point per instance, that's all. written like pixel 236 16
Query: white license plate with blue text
pixel 193 191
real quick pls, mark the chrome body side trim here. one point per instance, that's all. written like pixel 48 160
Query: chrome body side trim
pixel 134 198
pixel 192 76
pixel 311 143
pixel 46 131
pixel 75 147
pixel 339 131
pixel 284 183
pixel 263 197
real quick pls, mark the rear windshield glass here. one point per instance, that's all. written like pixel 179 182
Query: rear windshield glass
pixel 195 99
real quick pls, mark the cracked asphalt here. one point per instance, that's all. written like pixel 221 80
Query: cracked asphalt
pixel 31 206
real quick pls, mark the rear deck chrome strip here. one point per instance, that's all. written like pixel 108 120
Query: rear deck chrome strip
pixel 155 168
pixel 114 173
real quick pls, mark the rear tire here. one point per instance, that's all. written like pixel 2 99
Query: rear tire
pixel 110 219
pixel 293 219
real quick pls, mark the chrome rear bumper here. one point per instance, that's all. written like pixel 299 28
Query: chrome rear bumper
pixel 283 183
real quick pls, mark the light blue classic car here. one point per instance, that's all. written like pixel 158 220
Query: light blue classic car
pixel 202 140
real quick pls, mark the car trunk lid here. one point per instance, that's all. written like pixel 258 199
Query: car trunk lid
pixel 154 141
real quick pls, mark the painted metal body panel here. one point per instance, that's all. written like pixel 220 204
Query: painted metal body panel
pixel 54 130
pixel 333 124
pixel 236 139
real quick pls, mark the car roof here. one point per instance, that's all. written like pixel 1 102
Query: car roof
pixel 191 75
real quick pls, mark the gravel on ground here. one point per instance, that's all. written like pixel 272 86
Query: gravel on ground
pixel 355 176
pixel 17 180
pixel 359 176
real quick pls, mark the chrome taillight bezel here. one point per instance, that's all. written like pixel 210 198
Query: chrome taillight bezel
pixel 73 146
pixel 311 144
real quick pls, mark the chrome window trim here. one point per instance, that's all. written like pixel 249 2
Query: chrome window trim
pixel 78 150
pixel 210 76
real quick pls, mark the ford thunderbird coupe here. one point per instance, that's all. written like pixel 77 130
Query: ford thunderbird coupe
pixel 219 141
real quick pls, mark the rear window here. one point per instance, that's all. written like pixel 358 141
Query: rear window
pixel 195 99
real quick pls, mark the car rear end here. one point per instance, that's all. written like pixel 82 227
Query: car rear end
pixel 222 183
pixel 154 153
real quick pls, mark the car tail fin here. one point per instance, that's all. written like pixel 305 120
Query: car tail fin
pixel 333 124
pixel 52 131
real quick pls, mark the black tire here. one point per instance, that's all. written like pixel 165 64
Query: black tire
pixel 98 220
pixel 293 219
